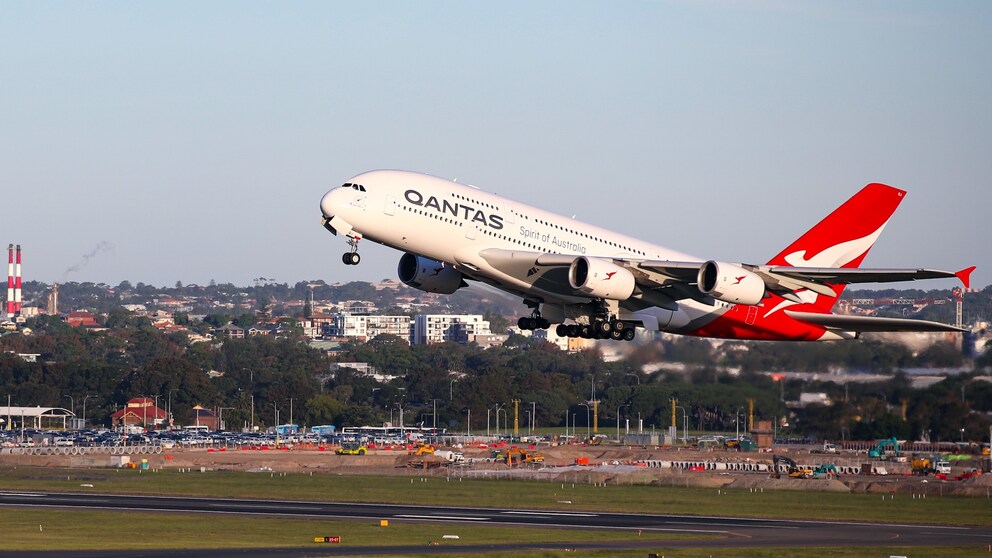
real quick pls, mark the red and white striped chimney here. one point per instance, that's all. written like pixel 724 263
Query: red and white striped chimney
pixel 10 281
pixel 17 284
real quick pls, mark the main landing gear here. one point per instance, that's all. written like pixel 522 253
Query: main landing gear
pixel 352 257
pixel 617 330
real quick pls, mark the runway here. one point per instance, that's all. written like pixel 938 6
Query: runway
pixel 724 532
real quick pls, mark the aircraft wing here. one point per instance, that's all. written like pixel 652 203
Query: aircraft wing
pixel 869 323
pixel 843 275
pixel 665 281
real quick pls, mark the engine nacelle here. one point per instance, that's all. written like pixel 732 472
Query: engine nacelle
pixel 730 283
pixel 429 275
pixel 601 279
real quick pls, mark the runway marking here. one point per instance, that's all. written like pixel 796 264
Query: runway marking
pixel 960 534
pixel 725 525
pixel 550 514
pixel 22 494
pixel 264 507
pixel 444 517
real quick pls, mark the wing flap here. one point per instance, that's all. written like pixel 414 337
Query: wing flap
pixel 845 276
pixel 869 323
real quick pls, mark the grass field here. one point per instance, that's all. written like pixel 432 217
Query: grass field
pixel 29 529
pixel 512 493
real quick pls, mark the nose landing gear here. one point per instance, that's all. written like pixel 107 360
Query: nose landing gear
pixel 352 257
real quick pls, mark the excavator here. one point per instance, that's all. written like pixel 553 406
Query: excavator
pixel 793 470
pixel 880 449
pixel 518 456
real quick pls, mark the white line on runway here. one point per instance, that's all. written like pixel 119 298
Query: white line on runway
pixel 550 514
pixel 725 525
pixel 444 517
pixel 22 494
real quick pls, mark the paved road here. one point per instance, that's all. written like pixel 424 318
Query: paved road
pixel 726 532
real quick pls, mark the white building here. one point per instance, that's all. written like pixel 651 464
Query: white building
pixel 366 327
pixel 438 328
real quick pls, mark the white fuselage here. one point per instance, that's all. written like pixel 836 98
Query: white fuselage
pixel 454 223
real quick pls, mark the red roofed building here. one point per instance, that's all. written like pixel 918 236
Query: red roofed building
pixel 84 319
pixel 140 411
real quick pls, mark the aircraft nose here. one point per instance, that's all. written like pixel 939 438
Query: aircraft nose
pixel 329 203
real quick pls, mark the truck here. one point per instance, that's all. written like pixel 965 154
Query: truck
pixel 828 470
pixel 827 448
pixel 930 465
pixel 450 456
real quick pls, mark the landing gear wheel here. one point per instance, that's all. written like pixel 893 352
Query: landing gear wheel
pixel 619 325
pixel 561 330
pixel 351 258
pixel 628 334
pixel 616 335
pixel 543 324
pixel 603 327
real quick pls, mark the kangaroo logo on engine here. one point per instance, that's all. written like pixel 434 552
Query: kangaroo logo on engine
pixel 461 211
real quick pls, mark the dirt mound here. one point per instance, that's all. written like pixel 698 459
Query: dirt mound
pixel 754 482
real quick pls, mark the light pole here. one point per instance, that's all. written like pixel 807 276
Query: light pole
pixel 275 423
pixel 533 417
pixel 588 431
pixel 220 417
pixel 451 389
pixel 468 423
pixel 685 425
pixel 84 409
pixel 500 407
pixel 290 410
pixel 72 404
pixel 497 408
pixel 171 417
pixel 737 422
pixel 434 401
pixel 618 418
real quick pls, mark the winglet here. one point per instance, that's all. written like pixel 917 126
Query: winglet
pixel 965 276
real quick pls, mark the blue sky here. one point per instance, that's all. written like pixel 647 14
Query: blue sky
pixel 190 141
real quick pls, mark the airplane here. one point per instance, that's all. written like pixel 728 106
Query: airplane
pixel 599 284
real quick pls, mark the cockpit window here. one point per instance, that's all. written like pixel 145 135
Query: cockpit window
pixel 358 187
pixel 347 185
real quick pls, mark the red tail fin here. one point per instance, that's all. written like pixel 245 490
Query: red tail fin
pixel 844 237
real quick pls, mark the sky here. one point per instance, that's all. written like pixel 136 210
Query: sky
pixel 192 141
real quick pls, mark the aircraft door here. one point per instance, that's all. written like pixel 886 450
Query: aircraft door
pixel 752 313
pixel 390 207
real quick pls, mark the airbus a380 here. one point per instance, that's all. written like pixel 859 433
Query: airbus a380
pixel 597 283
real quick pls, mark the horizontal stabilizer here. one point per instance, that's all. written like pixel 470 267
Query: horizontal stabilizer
pixel 869 323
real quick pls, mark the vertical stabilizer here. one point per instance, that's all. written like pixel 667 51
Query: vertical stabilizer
pixel 843 238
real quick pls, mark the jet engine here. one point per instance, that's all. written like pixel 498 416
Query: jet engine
pixel 429 275
pixel 601 279
pixel 730 283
